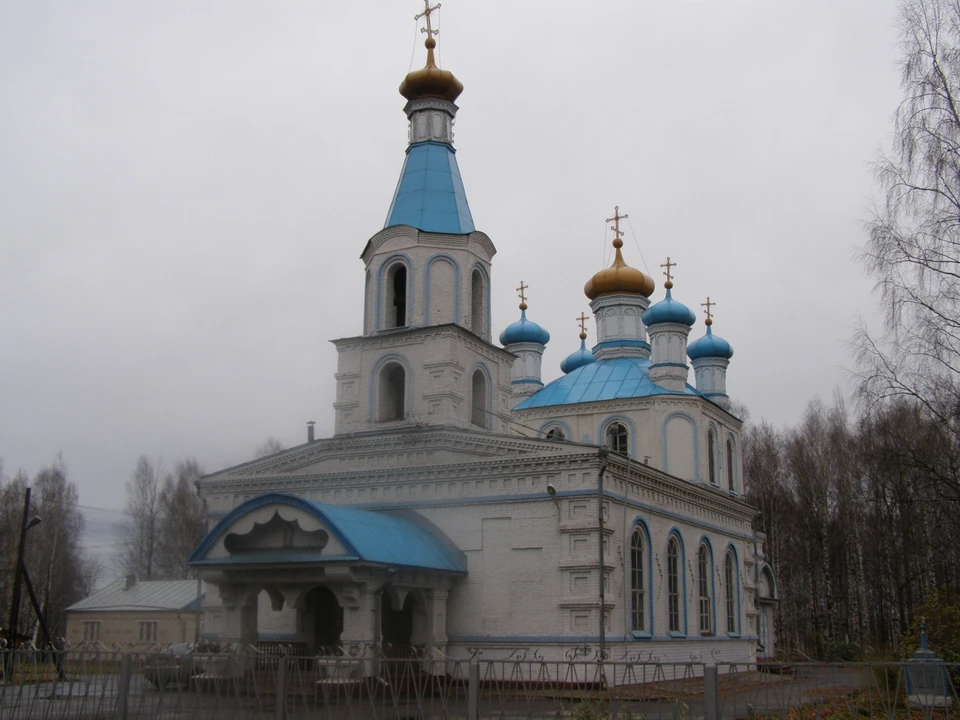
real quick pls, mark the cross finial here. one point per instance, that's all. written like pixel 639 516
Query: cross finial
pixel 617 217
pixel 708 305
pixel 523 298
pixel 668 265
pixel 583 325
pixel 426 14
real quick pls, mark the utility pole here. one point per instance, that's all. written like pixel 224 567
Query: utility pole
pixel 15 607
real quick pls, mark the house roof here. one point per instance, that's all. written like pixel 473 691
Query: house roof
pixel 177 595
pixel 367 536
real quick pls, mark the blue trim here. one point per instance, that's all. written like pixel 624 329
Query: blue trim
pixel 374 386
pixel 441 257
pixel 545 428
pixel 696 443
pixel 385 266
pixel 649 631
pixel 669 364
pixel 526 382
pixel 621 343
pixel 631 428
pixel 732 550
pixel 705 542
pixel 682 571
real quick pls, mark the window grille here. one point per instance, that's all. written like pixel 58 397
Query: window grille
pixel 704 591
pixel 728 583
pixel 673 584
pixel 637 594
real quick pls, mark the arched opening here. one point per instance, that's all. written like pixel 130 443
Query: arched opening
pixel 396 310
pixel 729 586
pixel 327 620
pixel 673 585
pixel 396 626
pixel 730 462
pixel 703 590
pixel 391 393
pixel 556 434
pixel 477 297
pixel 478 399
pixel 617 438
pixel 712 455
pixel 637 594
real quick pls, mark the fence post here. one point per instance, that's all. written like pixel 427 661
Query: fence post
pixel 281 688
pixel 123 698
pixel 473 691
pixel 711 693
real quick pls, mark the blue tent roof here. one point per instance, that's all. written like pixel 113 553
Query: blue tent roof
pixel 612 379
pixel 430 194
pixel 368 536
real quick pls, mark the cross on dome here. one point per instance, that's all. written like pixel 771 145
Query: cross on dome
pixel 617 217
pixel 583 325
pixel 669 283
pixel 427 10
pixel 523 298
pixel 708 305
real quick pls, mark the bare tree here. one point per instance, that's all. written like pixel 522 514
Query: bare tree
pixel 270 446
pixel 141 531
pixel 182 522
pixel 913 251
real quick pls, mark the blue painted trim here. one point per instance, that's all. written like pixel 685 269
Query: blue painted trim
pixel 648 632
pixel 385 266
pixel 621 343
pixel 696 442
pixel 526 382
pixel 732 550
pixel 682 570
pixel 669 364
pixel 705 542
pixel 258 502
pixel 374 384
pixel 486 300
pixel 441 257
pixel 545 428
pixel 631 428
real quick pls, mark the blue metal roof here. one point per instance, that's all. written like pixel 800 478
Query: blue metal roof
pixel 613 379
pixel 430 194
pixel 368 536
pixel 524 330
pixel 578 358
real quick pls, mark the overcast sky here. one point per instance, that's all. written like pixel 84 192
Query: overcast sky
pixel 186 187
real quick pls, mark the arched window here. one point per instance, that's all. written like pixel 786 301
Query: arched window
pixel 730 462
pixel 703 590
pixel 477 315
pixel 712 454
pixel 673 584
pixel 391 392
pixel 478 399
pixel 637 594
pixel 396 310
pixel 556 434
pixel 729 574
pixel 617 438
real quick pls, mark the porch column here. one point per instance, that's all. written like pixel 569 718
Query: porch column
pixel 361 630
pixel 437 618
pixel 239 615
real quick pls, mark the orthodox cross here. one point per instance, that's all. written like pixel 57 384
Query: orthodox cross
pixel 583 322
pixel 667 272
pixel 426 14
pixel 708 305
pixel 617 217
pixel 523 298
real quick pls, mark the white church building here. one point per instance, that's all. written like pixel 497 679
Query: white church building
pixel 461 502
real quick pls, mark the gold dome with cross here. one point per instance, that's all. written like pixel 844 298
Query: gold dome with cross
pixel 430 81
pixel 619 277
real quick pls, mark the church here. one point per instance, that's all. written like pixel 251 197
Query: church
pixel 463 504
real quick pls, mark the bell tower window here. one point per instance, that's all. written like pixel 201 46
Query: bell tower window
pixel 477 314
pixel 391 393
pixel 396 310
pixel 478 405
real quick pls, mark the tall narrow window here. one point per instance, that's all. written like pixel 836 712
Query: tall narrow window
pixel 637 594
pixel 730 463
pixel 729 590
pixel 397 288
pixel 477 315
pixel 703 590
pixel 617 438
pixel 712 453
pixel 391 393
pixel 478 404
pixel 673 584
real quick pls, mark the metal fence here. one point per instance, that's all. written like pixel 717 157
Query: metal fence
pixel 246 685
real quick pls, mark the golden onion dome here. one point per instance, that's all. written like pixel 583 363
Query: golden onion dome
pixel 618 278
pixel 430 81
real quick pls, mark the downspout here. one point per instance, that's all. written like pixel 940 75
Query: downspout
pixel 604 453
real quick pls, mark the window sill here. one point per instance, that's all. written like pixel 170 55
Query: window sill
pixel 708 634
pixel 638 635
pixel 733 635
pixel 674 634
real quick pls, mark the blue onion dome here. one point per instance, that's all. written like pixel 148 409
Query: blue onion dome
pixel 709 346
pixel 524 331
pixel 579 358
pixel 669 310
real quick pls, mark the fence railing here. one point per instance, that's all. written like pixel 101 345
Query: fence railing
pixel 244 685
